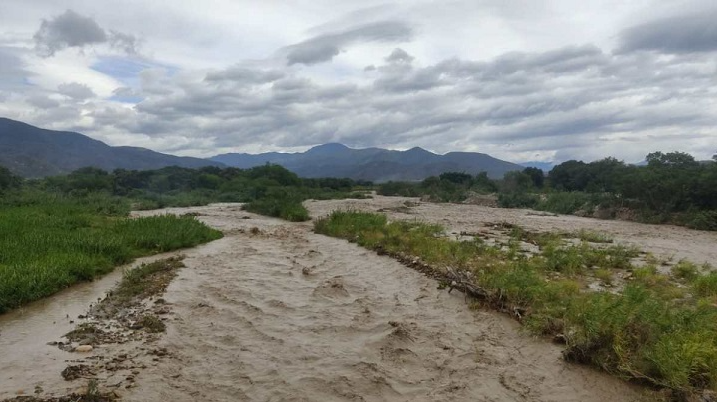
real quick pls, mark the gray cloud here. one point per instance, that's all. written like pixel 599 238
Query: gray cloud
pixel 399 56
pixel 572 102
pixel 244 75
pixel 325 47
pixel 42 102
pixel 72 30
pixel 678 34
pixel 124 42
pixel 13 71
pixel 542 101
pixel 76 91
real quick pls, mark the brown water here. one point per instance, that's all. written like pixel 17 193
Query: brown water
pixel 288 315
pixel 26 359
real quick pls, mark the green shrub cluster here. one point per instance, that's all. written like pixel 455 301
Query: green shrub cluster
pixel 447 187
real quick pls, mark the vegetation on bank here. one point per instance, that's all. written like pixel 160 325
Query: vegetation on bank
pixel 55 242
pixel 670 188
pixel 61 230
pixel 655 328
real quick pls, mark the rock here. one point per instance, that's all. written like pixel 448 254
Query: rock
pixel 74 372
pixel 84 348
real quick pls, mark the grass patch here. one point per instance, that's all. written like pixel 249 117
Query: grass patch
pixel 288 209
pixel 49 246
pixel 649 332
pixel 151 323
pixel 146 280
pixel 593 237
pixel 685 270
pixel 706 285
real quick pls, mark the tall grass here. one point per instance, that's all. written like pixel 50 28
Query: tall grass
pixel 652 331
pixel 288 209
pixel 47 246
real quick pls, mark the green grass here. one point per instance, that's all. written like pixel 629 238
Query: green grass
pixel 288 209
pixel 649 332
pixel 46 247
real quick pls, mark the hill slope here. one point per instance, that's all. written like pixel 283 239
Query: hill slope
pixel 30 151
pixel 375 164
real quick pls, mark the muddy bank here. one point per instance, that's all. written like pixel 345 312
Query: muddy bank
pixel 664 241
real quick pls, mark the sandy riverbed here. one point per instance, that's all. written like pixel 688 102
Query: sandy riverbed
pixel 664 241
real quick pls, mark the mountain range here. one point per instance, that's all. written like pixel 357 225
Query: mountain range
pixel 374 164
pixel 30 151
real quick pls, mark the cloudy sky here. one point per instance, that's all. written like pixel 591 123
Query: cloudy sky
pixel 522 80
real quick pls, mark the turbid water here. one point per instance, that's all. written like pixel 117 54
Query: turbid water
pixel 288 315
pixel 274 312
pixel 26 359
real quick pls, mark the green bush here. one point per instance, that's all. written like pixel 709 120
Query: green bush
pixel 517 200
pixel 566 203
pixel 700 220
pixel 288 209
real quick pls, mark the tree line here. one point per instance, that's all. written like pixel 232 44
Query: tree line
pixel 669 188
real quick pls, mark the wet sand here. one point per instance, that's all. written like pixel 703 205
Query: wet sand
pixel 279 313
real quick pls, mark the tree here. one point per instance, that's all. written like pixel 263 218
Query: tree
pixel 456 177
pixel 536 176
pixel 483 183
pixel 570 176
pixel 8 180
pixel 675 159
pixel 516 182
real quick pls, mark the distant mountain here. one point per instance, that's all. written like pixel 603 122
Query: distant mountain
pixel 375 164
pixel 34 152
pixel 544 166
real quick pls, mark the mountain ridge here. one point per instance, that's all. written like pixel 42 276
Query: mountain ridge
pixel 374 164
pixel 31 151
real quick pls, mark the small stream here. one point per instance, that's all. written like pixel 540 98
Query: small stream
pixel 26 359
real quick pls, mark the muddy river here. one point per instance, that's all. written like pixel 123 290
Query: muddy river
pixel 274 312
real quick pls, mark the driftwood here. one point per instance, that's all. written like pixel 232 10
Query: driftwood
pixel 453 278
pixel 463 280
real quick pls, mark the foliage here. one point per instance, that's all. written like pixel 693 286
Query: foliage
pixel 671 188
pixel 518 200
pixel 447 187
pixel 8 180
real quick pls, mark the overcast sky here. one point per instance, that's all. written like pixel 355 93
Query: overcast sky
pixel 522 80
